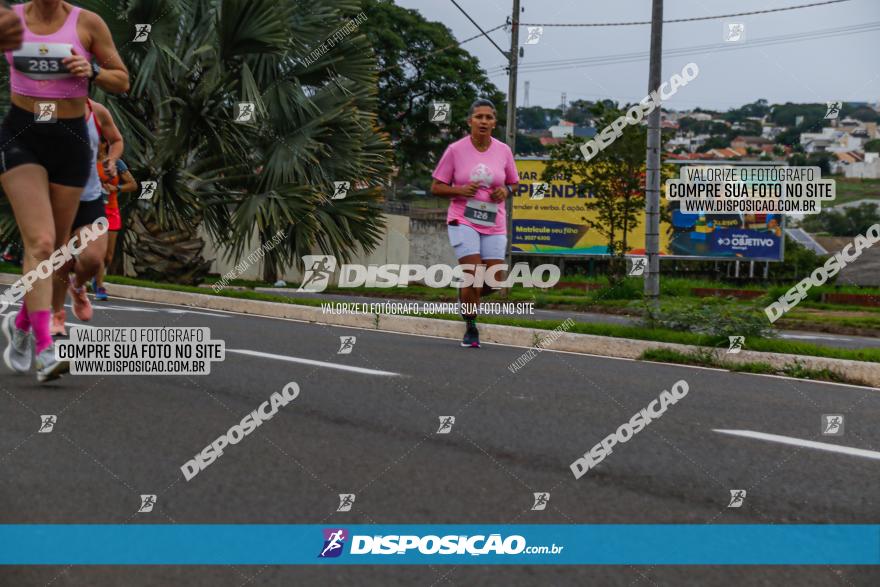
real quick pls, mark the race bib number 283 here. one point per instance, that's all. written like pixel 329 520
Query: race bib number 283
pixel 42 60
pixel 31 65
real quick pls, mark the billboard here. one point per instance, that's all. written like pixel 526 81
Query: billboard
pixel 552 220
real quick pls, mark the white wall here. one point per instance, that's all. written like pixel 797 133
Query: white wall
pixel 404 241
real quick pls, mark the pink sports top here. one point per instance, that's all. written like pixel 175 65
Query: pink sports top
pixel 37 70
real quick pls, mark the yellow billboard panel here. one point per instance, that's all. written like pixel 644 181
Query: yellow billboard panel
pixel 555 222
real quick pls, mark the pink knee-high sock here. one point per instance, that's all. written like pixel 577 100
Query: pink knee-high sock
pixel 40 321
pixel 22 322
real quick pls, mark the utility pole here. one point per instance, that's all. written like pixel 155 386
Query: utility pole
pixel 513 61
pixel 652 180
pixel 526 96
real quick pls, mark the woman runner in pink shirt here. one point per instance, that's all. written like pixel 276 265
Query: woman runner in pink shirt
pixel 477 173
pixel 45 155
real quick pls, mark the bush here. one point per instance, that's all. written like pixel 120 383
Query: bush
pixel 628 289
pixel 711 317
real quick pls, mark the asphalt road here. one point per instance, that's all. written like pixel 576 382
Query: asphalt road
pixel 817 338
pixel 366 423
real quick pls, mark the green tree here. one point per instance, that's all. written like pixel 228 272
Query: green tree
pixel 614 179
pixel 246 183
pixel 850 221
pixel 714 143
pixel 863 113
pixel 579 112
pixel 872 146
pixel 786 114
pixel 756 108
pixel 529 145
pixel 532 118
pixel 820 160
pixel 420 62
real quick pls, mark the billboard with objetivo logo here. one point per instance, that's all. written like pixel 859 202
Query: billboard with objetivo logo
pixel 552 219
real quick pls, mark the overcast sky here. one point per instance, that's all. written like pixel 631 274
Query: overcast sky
pixel 801 68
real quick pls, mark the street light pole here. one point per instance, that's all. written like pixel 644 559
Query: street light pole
pixel 513 61
pixel 652 179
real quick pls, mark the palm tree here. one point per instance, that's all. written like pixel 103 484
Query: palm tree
pixel 315 123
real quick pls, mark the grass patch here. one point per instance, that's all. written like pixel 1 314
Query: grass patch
pixel 9 268
pixel 238 294
pixel 803 321
pixel 674 336
pixel 709 359
pixel 849 189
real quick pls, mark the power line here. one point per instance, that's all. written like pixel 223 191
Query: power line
pixel 643 22
pixel 689 51
pixel 446 48
pixel 555 65
pixel 762 40
pixel 485 34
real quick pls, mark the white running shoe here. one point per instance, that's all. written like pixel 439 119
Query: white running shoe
pixel 19 346
pixel 48 367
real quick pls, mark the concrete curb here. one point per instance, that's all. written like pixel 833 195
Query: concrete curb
pixel 588 344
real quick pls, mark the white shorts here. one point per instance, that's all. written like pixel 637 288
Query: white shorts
pixel 467 241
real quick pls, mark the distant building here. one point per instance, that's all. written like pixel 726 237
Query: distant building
pixel 562 130
pixel 863 271
pixel 820 142
pixel 697 116
pixel 771 132
pixel 869 168
pixel 844 159
pixel 745 142
pixel 568 129
pixel 725 153
pixel 687 141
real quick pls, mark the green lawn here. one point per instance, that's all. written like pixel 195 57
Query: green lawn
pixel 851 189
pixel 704 359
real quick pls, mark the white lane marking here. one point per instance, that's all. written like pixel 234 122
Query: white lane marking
pixel 176 311
pixel 167 311
pixel 312 362
pixel 106 307
pixel 352 369
pixel 102 306
pixel 846 450
pixel 813 337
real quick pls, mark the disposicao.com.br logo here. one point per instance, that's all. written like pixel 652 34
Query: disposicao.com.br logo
pixel 430 544
pixel 319 270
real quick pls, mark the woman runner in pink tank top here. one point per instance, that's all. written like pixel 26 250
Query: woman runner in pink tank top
pixel 45 155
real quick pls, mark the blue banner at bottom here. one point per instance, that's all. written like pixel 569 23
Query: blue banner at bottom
pixel 486 544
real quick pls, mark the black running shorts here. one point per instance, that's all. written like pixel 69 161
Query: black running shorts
pixel 61 147
pixel 88 212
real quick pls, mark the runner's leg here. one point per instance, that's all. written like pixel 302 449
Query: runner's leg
pixel 65 200
pixel 27 187
pixel 470 296
pixel 108 257
pixel 89 262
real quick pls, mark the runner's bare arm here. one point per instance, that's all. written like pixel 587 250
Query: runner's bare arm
pixel 113 77
pixel 442 190
pixel 110 132
pixel 500 193
pixel 10 29
pixel 127 183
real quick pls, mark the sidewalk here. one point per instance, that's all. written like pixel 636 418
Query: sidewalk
pixel 817 338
